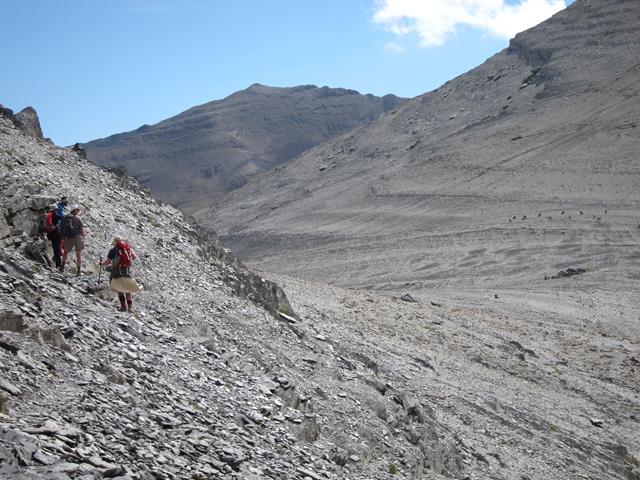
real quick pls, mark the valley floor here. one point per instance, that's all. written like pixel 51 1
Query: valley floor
pixel 540 383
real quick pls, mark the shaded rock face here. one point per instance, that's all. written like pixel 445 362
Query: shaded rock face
pixel 194 158
pixel 28 122
pixel 499 176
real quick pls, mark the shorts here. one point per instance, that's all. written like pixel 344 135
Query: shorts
pixel 74 242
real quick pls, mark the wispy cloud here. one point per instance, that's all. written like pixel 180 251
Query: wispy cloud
pixel 394 47
pixel 433 21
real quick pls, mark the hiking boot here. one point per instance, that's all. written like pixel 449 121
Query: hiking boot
pixel 122 308
pixel 78 273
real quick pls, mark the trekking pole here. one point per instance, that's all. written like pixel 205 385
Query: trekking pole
pixel 100 270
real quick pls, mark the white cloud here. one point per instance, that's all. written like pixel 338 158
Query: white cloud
pixel 434 20
pixel 394 47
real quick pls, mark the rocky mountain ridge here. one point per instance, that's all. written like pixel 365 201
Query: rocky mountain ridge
pixel 192 159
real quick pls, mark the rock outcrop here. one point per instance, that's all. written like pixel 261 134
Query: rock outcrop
pixel 26 120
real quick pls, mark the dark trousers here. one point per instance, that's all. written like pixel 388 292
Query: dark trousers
pixel 55 239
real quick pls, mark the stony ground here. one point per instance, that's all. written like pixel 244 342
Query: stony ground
pixel 203 382
pixel 509 197
pixel 518 359
pixel 529 384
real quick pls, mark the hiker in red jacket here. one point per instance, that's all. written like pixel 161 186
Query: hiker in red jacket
pixel 120 258
pixel 48 224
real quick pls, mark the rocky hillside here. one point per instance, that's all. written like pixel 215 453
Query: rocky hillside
pixel 522 167
pixel 191 160
pixel 203 382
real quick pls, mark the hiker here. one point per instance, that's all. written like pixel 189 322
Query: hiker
pixel 58 211
pixel 50 228
pixel 120 258
pixel 61 207
pixel 72 231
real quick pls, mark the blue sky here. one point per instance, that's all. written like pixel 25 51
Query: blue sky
pixel 94 68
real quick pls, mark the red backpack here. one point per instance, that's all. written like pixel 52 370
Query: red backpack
pixel 125 255
pixel 45 222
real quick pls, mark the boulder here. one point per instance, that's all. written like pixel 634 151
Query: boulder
pixel 12 321
pixel 4 403
pixel 25 221
pixel 408 298
pixel 40 202
pixel 50 336
pixel 5 229
pixel 37 250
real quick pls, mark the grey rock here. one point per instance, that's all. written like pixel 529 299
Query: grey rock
pixel 28 122
pixel 12 321
pixel 5 229
pixel 4 403
pixel 9 387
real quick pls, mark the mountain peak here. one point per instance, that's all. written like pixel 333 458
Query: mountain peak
pixel 194 158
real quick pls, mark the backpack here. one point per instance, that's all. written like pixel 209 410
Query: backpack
pixel 68 227
pixel 125 255
pixel 45 222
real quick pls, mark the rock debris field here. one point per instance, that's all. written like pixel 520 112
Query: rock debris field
pixel 218 375
pixel 449 293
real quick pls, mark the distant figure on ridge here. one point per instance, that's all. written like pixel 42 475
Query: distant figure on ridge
pixel 79 150
pixel 120 257
pixel 72 230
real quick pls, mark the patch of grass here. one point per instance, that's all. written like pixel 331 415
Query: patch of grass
pixel 631 460
pixel 152 221
pixel 393 469
pixel 4 403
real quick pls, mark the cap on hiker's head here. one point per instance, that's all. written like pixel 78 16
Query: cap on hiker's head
pixel 63 199
pixel 74 208
pixel 116 240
